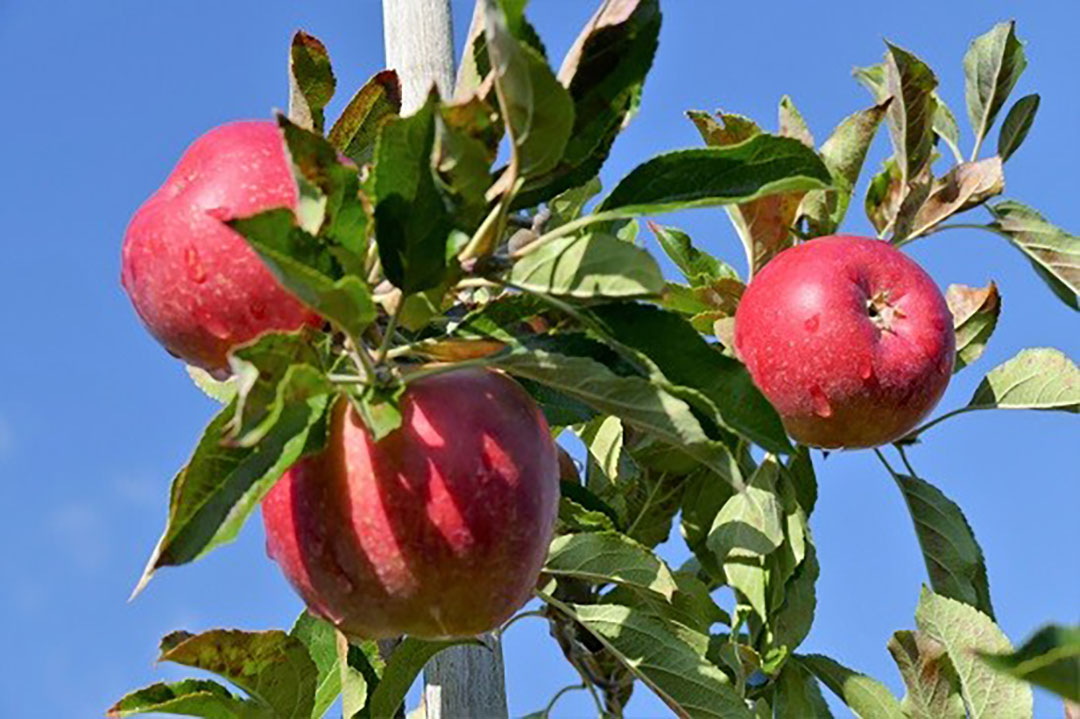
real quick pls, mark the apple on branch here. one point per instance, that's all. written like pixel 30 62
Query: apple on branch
pixel 440 529
pixel 848 338
pixel 194 282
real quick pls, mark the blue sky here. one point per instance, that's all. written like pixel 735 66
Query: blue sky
pixel 100 100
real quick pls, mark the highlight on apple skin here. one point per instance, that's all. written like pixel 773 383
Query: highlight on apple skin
pixel 195 283
pixel 849 339
pixel 438 530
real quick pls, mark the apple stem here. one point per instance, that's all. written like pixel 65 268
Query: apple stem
pixel 388 333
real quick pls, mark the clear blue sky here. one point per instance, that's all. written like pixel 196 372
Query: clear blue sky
pixel 102 97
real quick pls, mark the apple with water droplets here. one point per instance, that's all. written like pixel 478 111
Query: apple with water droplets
pixel 849 339
pixel 437 530
pixel 195 283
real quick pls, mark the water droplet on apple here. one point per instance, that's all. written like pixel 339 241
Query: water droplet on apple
pixel 216 327
pixel 258 310
pixel 811 324
pixel 866 370
pixel 195 270
pixel 945 365
pixel 820 402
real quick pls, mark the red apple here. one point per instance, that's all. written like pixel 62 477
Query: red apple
pixel 849 339
pixel 194 282
pixel 438 530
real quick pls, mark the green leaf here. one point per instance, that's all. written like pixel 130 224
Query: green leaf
pixel 1016 126
pixel 603 557
pixel 569 204
pixel 405 663
pixel 911 83
pixel 355 132
pixel 844 154
pixel 360 667
pixel 1054 253
pixel 276 370
pixel 538 111
pixel 638 402
pixel 866 697
pixel 605 94
pixel 748 528
pixel 992 65
pixel 411 220
pixel 975 312
pixel 697 266
pixel 724 129
pixel 946 127
pixel 1041 378
pixel 213 495
pixel 710 176
pixel 307 269
pixel 311 81
pixel 320 639
pixel 686 360
pixel 221 391
pixel 954 560
pixel 884 195
pixel 670 663
pixel 791 621
pixel 466 141
pixel 798 695
pixel 965 186
pixel 690 606
pixel 190 697
pixel 587 266
pixel 1049 659
pixel 272 667
pixel 933 689
pixel 964 630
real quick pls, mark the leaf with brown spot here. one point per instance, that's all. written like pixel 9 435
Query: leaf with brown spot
pixel 355 131
pixel 311 81
pixel 975 312
pixel 965 186
pixel 792 123
pixel 457 350
pixel 724 128
pixel 1054 253
pixel 933 689
pixel 883 196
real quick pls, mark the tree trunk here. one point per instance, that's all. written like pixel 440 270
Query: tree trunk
pixel 463 682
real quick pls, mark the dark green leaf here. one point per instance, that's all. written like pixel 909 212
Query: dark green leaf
pixel 1017 123
pixel 587 266
pixel 538 111
pixel 311 81
pixel 604 72
pixel 1049 659
pixel 964 631
pixel 911 83
pixel 190 697
pixel 946 127
pixel 411 220
pixel 635 400
pixel 306 267
pixel 1053 252
pixel 272 667
pixel 992 65
pixel 213 495
pixel 869 699
pixel 361 665
pixel 798 695
pixel 710 176
pixel 933 689
pixel 670 663
pixel 405 663
pixel 791 621
pixel 975 312
pixel 276 370
pixel 356 131
pixel 466 140
pixel 685 359
pixel 954 560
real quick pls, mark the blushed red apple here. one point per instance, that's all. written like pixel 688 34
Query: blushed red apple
pixel 849 339
pixel 438 530
pixel 195 283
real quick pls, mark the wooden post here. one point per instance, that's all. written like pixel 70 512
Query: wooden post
pixel 463 682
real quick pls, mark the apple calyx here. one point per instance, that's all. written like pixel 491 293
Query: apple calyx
pixel 882 312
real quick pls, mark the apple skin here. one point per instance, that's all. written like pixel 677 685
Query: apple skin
pixel 195 283
pixel 840 374
pixel 438 530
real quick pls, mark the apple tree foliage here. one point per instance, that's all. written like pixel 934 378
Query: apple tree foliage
pixel 424 253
